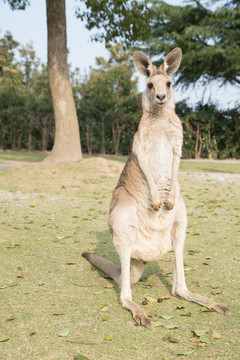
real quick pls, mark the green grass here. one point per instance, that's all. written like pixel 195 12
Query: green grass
pixel 205 166
pixel 200 166
pixel 22 156
pixel 54 213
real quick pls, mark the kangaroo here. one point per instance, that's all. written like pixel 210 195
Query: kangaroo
pixel 147 213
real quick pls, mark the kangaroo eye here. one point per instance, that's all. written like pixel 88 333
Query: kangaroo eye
pixel 150 85
pixel 169 84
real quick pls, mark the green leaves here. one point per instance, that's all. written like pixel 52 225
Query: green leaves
pixel 12 246
pixel 80 357
pixel 63 333
pixel 109 337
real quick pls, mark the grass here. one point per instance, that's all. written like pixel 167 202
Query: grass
pixel 204 166
pixel 22 156
pixel 51 214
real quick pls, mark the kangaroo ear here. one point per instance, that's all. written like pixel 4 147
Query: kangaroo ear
pixel 172 61
pixel 143 64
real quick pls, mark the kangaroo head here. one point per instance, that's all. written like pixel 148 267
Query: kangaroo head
pixel 159 85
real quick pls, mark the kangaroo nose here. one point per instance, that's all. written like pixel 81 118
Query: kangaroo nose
pixel 161 96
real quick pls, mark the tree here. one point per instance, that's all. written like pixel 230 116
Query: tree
pixel 208 35
pixel 115 112
pixel 67 137
pixel 128 15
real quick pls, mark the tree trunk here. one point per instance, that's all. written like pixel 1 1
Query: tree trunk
pixel 116 136
pixel 19 139
pixel 198 144
pixel 29 140
pixel 44 138
pixel 67 146
pixel 89 138
pixel 13 139
pixel 210 157
pixel 2 138
pixel 103 150
pixel 235 117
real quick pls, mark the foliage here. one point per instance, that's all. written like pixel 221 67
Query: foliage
pixel 208 35
pixel 109 108
pixel 209 132
pixel 26 115
pixel 116 20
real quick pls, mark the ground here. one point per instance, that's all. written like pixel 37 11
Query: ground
pixel 50 214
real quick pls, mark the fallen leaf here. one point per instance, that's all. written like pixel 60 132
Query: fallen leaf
pixel 199 332
pixel 3 287
pixel 202 344
pixel 182 353
pixel 20 276
pixel 236 258
pixel 194 339
pixel 80 357
pixel 57 314
pixel 150 299
pixel 32 333
pixel 102 305
pixel 194 251
pixel 170 327
pixel 204 309
pixel 187 314
pixel 166 317
pixel 170 339
pixel 156 324
pixel 13 284
pixel 204 339
pixel 12 246
pixel 109 337
pixel 216 335
pixel 105 318
pixel 109 286
pixel 63 332
pixel 4 339
pixel 214 286
pixel 164 297
pixel 216 292
pixel 10 318
pixel 33 205
pixel 104 308
pixel 162 273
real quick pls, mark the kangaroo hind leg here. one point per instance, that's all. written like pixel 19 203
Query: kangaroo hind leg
pixel 179 286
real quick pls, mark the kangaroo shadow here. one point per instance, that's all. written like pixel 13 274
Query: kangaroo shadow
pixel 106 249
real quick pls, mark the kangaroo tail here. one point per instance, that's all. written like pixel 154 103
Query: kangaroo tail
pixel 106 266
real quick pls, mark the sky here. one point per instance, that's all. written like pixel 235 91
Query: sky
pixel 31 25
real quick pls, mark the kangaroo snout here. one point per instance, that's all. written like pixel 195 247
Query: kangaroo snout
pixel 160 97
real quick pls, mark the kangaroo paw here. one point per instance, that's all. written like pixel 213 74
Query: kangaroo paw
pixel 142 319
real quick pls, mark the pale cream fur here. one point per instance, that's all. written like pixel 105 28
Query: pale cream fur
pixel 147 212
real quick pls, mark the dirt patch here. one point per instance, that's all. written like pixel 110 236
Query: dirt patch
pixel 215 177
pixel 108 166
